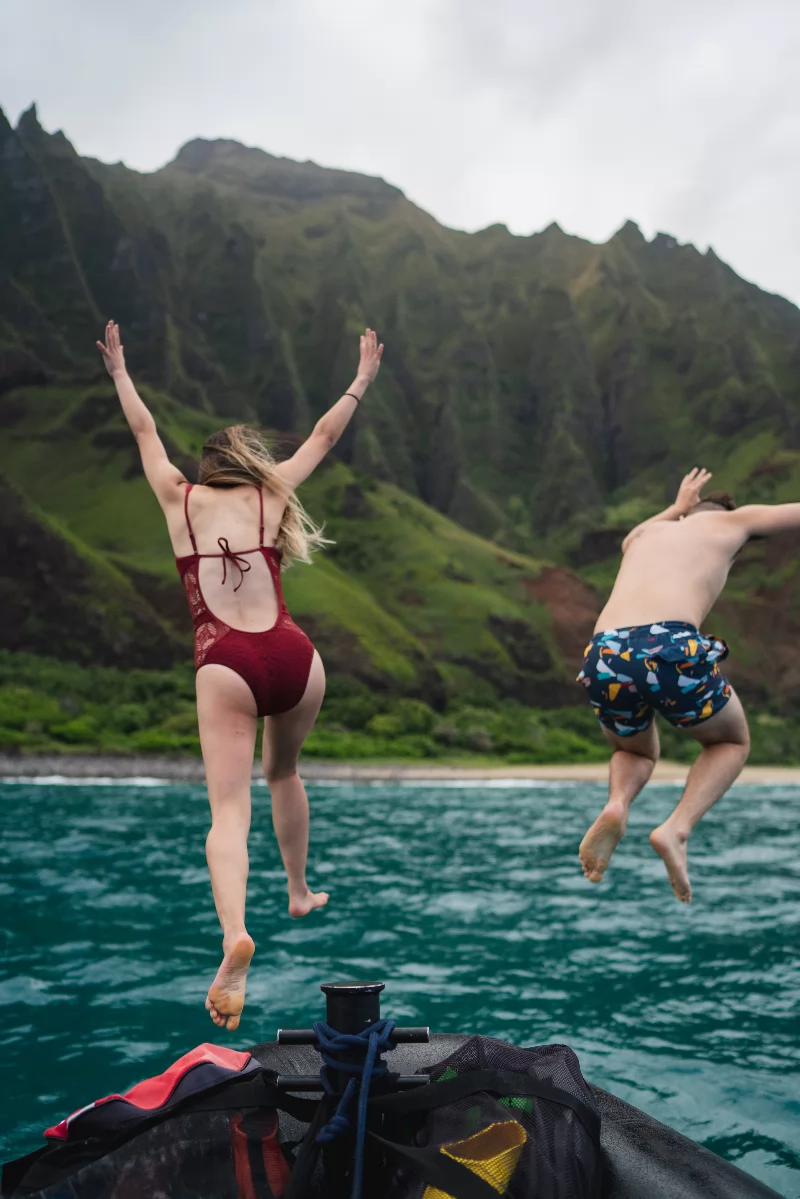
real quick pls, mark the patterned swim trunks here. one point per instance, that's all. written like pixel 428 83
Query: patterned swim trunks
pixel 670 666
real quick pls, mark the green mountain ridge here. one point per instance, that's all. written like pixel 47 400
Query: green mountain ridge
pixel 538 396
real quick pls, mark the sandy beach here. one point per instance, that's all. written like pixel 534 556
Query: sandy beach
pixel 176 769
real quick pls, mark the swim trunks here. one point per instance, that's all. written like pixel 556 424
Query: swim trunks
pixel 670 667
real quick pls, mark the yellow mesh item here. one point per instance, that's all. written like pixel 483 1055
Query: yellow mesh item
pixel 492 1154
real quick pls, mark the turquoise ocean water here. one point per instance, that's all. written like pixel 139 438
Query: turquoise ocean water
pixel 466 898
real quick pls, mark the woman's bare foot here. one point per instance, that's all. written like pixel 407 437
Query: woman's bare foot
pixel 602 839
pixel 672 848
pixel 225 998
pixel 302 904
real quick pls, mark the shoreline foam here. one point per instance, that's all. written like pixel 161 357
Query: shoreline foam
pixel 176 769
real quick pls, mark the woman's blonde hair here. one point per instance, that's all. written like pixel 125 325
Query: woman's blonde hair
pixel 236 456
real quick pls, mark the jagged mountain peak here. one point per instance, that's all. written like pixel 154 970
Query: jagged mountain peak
pixel 666 241
pixel 28 122
pixel 228 161
pixel 498 228
pixel 31 132
pixel 630 234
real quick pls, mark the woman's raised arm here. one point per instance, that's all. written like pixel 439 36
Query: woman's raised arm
pixel 329 428
pixel 162 476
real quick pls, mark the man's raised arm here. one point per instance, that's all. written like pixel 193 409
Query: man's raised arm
pixel 759 520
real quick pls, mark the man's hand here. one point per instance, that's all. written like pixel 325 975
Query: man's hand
pixel 112 351
pixel 687 498
pixel 689 491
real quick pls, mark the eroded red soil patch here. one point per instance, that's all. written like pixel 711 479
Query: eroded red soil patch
pixel 573 605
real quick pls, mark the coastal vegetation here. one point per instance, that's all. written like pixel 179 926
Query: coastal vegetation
pixel 50 706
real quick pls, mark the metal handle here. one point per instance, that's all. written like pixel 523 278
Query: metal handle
pixel 413 1035
pixel 305 1036
pixel 312 1082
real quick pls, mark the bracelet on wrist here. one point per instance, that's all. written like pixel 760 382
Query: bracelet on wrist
pixel 353 396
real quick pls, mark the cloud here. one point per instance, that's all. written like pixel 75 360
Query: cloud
pixel 683 117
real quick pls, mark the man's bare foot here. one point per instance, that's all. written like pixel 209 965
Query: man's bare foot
pixel 301 905
pixel 601 840
pixel 672 848
pixel 225 998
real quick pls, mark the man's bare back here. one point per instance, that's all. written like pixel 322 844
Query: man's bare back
pixel 675 566
pixel 674 570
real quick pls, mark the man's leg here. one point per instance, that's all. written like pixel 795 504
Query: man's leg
pixel 631 765
pixel 725 739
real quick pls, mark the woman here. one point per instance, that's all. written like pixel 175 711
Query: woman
pixel 252 661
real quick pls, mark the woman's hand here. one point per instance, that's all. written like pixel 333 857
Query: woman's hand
pixel 371 354
pixel 112 351
pixel 329 428
pixel 689 491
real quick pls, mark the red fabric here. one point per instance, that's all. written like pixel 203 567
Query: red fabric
pixel 154 1092
pixel 264 1126
pixel 245 1188
pixel 275 664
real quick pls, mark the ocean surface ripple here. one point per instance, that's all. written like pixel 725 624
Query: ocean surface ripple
pixel 467 898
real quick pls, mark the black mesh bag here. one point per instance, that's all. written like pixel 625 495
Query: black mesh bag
pixel 522 1121
pixel 198 1156
pixel 223 1145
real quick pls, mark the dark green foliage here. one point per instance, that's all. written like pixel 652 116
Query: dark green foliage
pixel 49 703
pixel 57 592
pixel 66 708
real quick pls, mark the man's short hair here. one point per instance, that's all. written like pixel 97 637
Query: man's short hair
pixel 716 499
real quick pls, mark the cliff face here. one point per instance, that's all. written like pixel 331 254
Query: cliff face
pixel 60 599
pixel 542 392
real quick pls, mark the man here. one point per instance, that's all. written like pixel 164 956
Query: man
pixel 648 654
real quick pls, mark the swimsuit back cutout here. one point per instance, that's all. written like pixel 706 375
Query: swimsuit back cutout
pixel 227 555
pixel 209 627
pixel 275 662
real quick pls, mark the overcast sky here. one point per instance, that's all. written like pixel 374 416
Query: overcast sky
pixel 683 116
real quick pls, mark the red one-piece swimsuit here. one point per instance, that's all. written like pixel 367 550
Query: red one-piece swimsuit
pixel 275 664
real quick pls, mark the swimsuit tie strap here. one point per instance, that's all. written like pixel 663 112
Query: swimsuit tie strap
pixel 237 560
pixel 186 514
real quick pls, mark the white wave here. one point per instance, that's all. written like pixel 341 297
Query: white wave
pixel 65 780
pixel 452 784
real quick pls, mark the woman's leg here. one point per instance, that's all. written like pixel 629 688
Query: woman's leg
pixel 283 739
pixel 226 714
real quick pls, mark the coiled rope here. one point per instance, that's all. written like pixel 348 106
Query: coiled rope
pixel 333 1046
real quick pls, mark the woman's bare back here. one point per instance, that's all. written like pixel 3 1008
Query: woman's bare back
pixel 238 589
